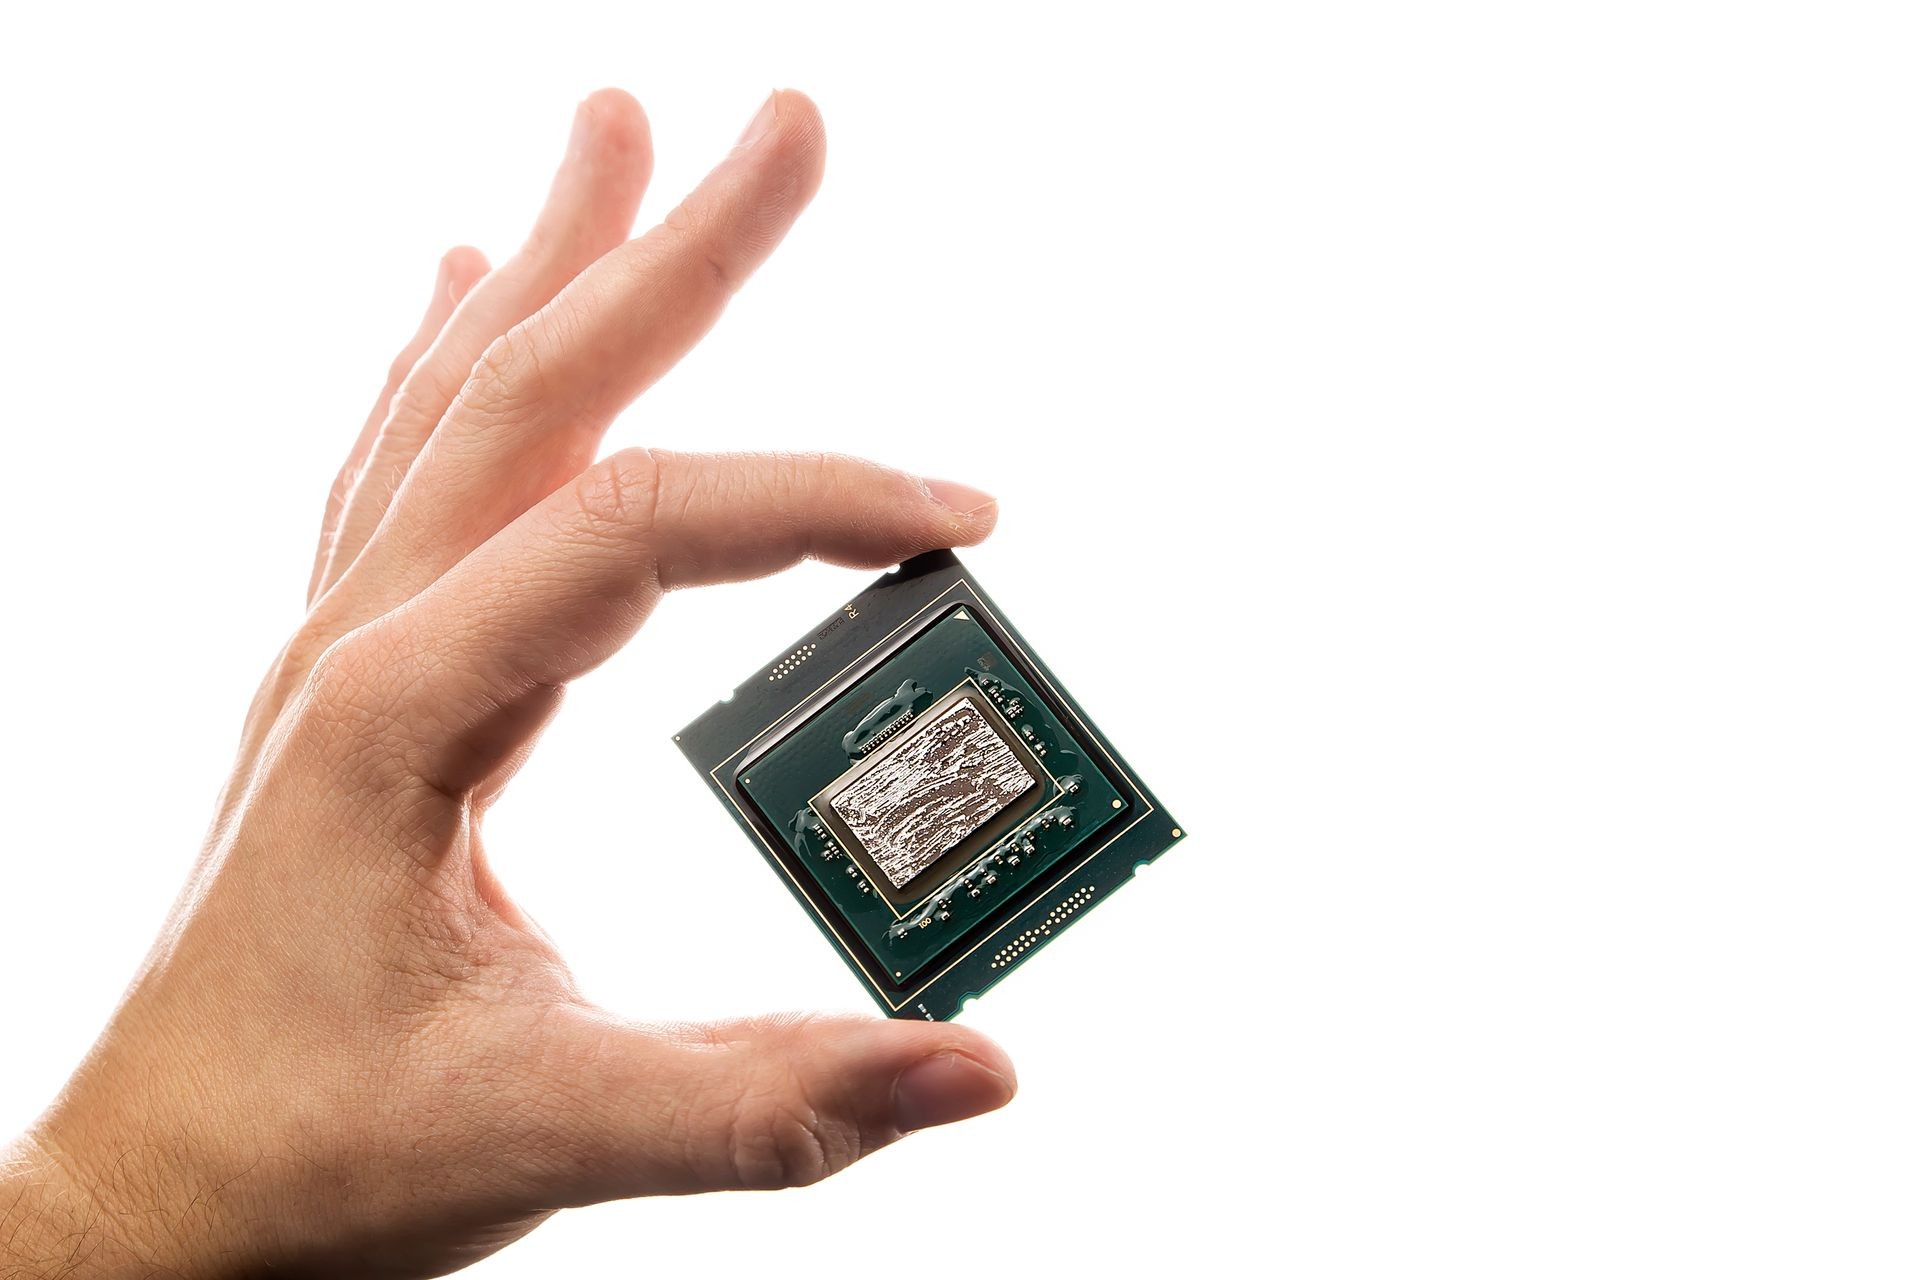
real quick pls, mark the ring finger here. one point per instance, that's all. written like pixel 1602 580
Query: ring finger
pixel 589 210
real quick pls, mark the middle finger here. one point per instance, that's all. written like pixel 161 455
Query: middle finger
pixel 595 195
pixel 540 399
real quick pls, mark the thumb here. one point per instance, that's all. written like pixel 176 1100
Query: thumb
pixel 765 1102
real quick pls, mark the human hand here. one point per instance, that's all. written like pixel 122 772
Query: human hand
pixel 348 1052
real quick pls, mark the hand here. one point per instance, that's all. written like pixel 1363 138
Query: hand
pixel 348 1051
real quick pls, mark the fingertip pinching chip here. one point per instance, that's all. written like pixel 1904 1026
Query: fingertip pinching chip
pixel 926 789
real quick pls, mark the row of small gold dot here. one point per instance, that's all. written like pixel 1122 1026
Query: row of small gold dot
pixel 1019 946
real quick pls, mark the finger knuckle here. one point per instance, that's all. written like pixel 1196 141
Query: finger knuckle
pixel 696 240
pixel 358 711
pixel 506 377
pixel 346 674
pixel 402 366
pixel 618 498
pixel 411 415
pixel 777 1139
pixel 307 645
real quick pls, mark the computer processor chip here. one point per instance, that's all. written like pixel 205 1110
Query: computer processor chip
pixel 926 789
pixel 918 796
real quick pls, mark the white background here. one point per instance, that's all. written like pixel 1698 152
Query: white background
pixel 1462 454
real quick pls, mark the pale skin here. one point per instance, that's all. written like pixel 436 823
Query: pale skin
pixel 348 1053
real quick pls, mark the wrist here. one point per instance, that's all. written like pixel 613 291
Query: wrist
pixel 49 1224
pixel 57 1221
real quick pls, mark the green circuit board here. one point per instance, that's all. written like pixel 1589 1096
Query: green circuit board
pixel 951 681
pixel 926 789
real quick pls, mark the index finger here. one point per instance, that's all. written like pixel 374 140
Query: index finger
pixel 558 591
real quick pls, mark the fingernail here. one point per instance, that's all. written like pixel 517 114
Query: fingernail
pixel 582 127
pixel 761 122
pixel 946 1088
pixel 955 496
